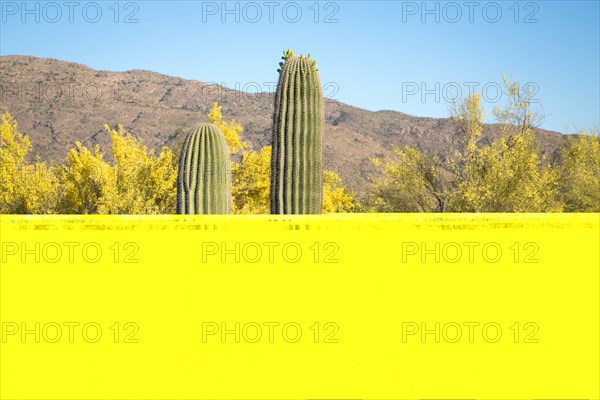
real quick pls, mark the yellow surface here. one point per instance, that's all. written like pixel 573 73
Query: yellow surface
pixel 358 306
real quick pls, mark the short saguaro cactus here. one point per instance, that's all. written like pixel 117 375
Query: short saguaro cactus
pixel 204 176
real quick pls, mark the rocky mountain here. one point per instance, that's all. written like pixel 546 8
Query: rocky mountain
pixel 57 103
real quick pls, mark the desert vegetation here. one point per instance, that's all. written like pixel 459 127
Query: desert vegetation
pixel 502 174
pixel 507 174
pixel 137 180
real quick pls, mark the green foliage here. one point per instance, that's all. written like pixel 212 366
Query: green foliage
pixel 204 177
pixel 580 173
pixel 412 182
pixel 508 176
pixel 296 166
pixel 505 175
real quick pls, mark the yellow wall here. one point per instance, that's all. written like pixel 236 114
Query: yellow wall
pixel 338 306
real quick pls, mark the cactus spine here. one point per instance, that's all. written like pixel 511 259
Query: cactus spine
pixel 296 164
pixel 204 179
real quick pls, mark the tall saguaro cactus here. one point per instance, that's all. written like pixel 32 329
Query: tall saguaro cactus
pixel 297 155
pixel 204 179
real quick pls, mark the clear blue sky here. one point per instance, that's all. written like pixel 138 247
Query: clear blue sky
pixel 375 55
